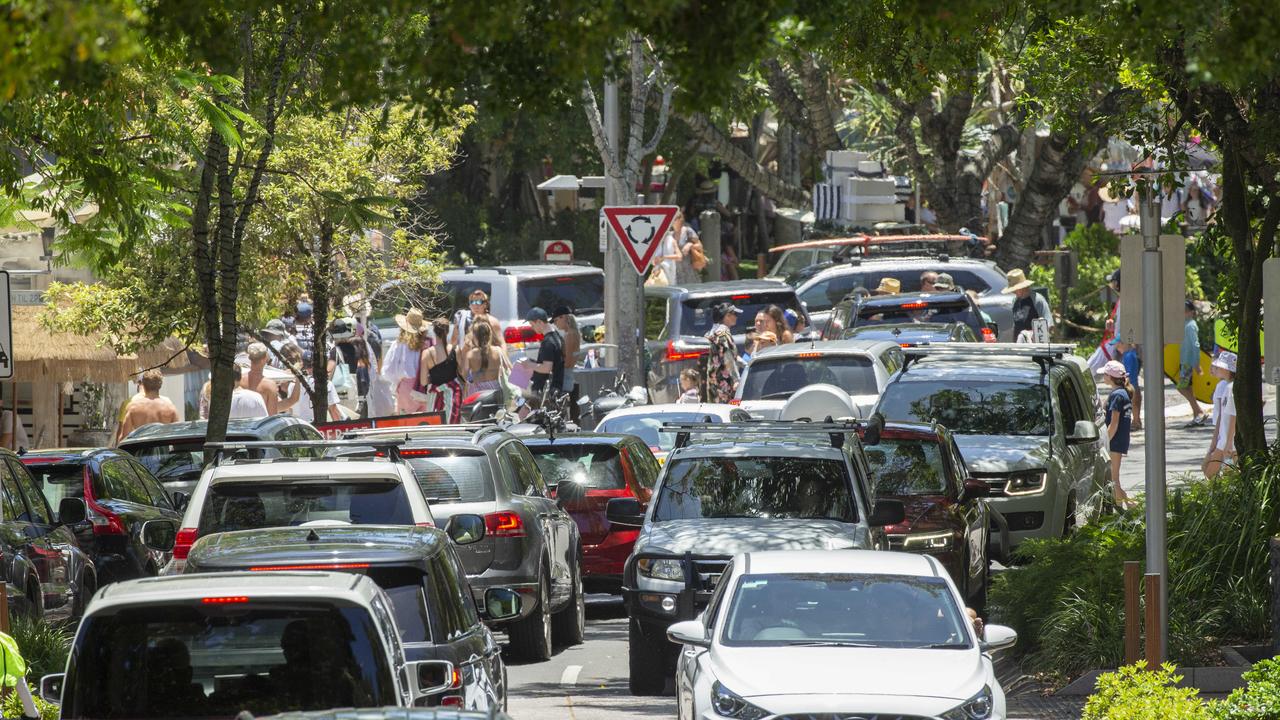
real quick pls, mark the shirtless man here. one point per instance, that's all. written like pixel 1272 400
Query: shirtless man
pixel 254 380
pixel 147 407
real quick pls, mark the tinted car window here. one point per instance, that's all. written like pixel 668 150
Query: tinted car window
pixel 591 465
pixel 960 312
pixel 648 427
pixel 645 465
pixel 154 489
pixel 696 316
pixel 251 505
pixel 35 501
pixel 61 480
pixel 583 293
pixel 122 484
pixel 971 408
pixel 655 318
pixel 15 508
pixel 448 589
pixel 218 660
pixel 449 478
pixel 406 587
pixel 177 460
pixel 764 487
pixel 908 466
pixel 775 379
pixel 968 280
pixel 824 294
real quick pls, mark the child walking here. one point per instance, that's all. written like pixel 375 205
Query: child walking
pixel 1119 420
pixel 1223 448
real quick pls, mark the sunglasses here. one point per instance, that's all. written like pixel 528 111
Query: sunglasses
pixel 477 302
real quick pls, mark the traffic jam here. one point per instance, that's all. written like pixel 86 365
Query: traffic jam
pixel 800 505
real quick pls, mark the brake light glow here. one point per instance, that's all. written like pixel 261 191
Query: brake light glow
pixel 739 297
pixel 316 566
pixel 674 355
pixel 472 398
pixel 228 600
pixel 420 452
pixel 735 401
pixel 521 334
pixel 988 335
pixel 808 355
pixel 182 543
pixel 913 305
pixel 504 524
pixel 564 279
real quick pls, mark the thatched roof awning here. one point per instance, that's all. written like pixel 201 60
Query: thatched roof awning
pixel 40 355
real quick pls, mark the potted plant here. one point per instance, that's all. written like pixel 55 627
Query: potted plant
pixel 95 429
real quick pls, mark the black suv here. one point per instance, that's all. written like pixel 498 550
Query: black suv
pixel 420 571
pixel 119 496
pixel 174 453
pixel 676 318
pixel 937 307
pixel 482 473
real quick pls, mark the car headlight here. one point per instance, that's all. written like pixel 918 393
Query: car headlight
pixel 1026 483
pixel 928 541
pixel 661 568
pixel 728 704
pixel 978 707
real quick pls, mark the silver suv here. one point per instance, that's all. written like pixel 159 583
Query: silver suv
pixel 1026 419
pixel 742 487
pixel 824 290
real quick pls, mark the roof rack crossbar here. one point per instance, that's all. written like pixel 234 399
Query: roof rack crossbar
pixel 836 431
pixel 1028 350
pixel 220 451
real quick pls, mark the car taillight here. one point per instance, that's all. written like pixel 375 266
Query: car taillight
pixel 472 397
pixel 104 521
pixel 674 354
pixel 735 401
pixel 504 524
pixel 521 334
pixel 227 600
pixel 451 701
pixel 914 305
pixel 988 335
pixel 182 543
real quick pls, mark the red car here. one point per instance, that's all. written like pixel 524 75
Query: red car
pixel 607 467
pixel 947 516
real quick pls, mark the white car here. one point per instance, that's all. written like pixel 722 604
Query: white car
pixel 645 421
pixel 861 368
pixel 837 633
pixel 219 644
pixel 248 494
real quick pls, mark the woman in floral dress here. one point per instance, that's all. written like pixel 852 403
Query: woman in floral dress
pixel 722 361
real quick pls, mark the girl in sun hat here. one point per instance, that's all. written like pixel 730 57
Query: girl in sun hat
pixel 1119 419
pixel 1223 447
pixel 404 358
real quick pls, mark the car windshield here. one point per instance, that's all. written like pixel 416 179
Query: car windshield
pixel 233 505
pixel 179 459
pixel 583 293
pixel 907 467
pixel 756 487
pixel 883 611
pixel 648 427
pixel 777 379
pixel 219 659
pixel 696 317
pixel 453 477
pixel 590 465
pixel 970 407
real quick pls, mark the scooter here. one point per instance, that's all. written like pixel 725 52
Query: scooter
pixel 617 397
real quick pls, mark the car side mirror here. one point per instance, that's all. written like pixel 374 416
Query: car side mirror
pixel 689 632
pixel 1085 431
pixel 887 512
pixel 429 677
pixel 159 535
pixel 51 688
pixel 71 511
pixel 998 637
pixel 502 603
pixel 570 493
pixel 976 489
pixel 465 529
pixel 179 499
pixel 625 511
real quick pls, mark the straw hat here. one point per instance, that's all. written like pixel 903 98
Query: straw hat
pixel 1017 281
pixel 412 322
pixel 888 286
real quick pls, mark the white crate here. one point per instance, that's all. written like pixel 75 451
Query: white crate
pixel 869 187
pixel 845 158
pixel 873 212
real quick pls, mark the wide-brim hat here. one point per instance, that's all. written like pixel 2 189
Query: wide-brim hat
pixel 944 282
pixel 1017 280
pixel 888 286
pixel 412 322
pixel 707 186
pixel 1225 360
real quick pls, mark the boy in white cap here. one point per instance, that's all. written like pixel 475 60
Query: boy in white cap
pixel 1223 447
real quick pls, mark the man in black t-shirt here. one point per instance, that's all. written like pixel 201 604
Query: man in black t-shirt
pixel 550 362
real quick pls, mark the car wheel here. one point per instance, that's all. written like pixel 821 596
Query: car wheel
pixel 531 637
pixel 645 662
pixel 570 624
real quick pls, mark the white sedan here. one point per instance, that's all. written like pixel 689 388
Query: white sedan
pixel 847 633
pixel 645 421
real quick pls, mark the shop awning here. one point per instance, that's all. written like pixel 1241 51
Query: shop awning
pixel 41 355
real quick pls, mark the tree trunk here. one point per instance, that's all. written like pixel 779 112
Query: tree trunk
pixel 817 101
pixel 745 165
pixel 322 288
pixel 1056 168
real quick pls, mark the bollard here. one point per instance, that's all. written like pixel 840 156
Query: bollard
pixel 4 612
pixel 1154 650
pixel 1132 612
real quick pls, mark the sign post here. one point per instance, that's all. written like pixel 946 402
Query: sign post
pixel 6 328
pixel 640 230
pixel 1154 333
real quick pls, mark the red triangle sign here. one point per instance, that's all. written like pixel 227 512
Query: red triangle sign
pixel 640 229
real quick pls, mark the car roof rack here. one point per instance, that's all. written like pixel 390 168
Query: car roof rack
pixel 218 452
pixel 836 430
pixel 413 432
pixel 1041 353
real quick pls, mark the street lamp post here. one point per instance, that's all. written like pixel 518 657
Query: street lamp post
pixel 1153 379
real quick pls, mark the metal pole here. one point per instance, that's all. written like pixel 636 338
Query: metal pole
pixel 613 260
pixel 1153 379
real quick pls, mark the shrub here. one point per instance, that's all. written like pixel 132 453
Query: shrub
pixel 1133 693
pixel 11 706
pixel 1258 700
pixel 43 645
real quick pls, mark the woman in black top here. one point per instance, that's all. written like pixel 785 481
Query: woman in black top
pixel 440 365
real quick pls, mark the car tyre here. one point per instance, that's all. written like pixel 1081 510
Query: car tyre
pixel 645 662
pixel 570 624
pixel 531 637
